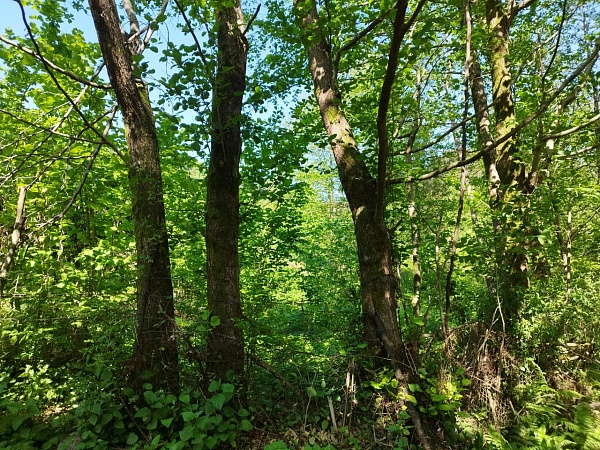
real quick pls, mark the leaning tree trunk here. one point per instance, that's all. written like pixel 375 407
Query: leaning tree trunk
pixel 377 280
pixel 155 358
pixel 226 340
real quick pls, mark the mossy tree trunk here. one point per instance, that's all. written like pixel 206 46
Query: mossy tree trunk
pixel 505 170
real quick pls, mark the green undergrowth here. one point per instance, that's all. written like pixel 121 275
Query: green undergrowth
pixel 106 416
pixel 543 417
pixel 38 413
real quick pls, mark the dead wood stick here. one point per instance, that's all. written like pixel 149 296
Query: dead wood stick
pixel 14 240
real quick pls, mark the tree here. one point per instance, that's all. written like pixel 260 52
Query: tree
pixel 512 173
pixel 155 356
pixel 225 340
pixel 365 195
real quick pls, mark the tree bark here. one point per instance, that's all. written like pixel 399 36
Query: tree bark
pixel 226 340
pixel 155 357
pixel 377 280
pixel 505 171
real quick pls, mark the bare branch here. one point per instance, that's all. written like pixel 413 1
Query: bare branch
pixel 400 29
pixel 572 130
pixel 555 51
pixel 354 40
pixel 134 25
pixel 449 131
pixel 196 41
pixel 579 152
pixel 251 20
pixel 384 102
pixel 88 168
pixel 518 7
pixel 151 29
pixel 46 129
pixel 55 80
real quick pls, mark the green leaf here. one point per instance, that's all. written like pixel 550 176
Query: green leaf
pixel 211 442
pixel 218 401
pixel 132 439
pixel 187 433
pixel 214 385
pixel 17 421
pixel 418 321
pixel 167 422
pixel 155 441
pixel 150 397
pixel 187 416
pixel 245 425
pixel 143 412
pixel 215 321
pixel 96 408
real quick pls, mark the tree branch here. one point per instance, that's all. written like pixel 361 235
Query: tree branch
pixel 516 8
pixel 150 29
pixel 251 20
pixel 134 25
pixel 196 41
pixel 400 29
pixel 384 102
pixel 571 130
pixel 88 168
pixel 541 109
pixel 354 40
pixel 43 128
pixel 55 80
pixel 50 64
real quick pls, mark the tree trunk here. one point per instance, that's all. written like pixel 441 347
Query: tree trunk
pixel 505 172
pixel 377 280
pixel 155 358
pixel 226 340
pixel 15 239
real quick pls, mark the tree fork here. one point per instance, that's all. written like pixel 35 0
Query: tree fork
pixel 377 279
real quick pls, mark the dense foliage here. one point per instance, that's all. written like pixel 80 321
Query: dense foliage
pixel 491 183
